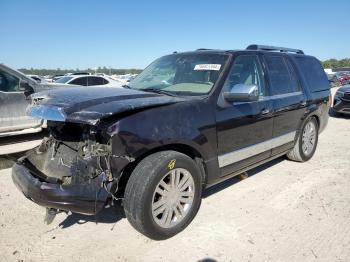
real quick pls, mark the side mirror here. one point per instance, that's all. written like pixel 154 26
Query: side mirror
pixel 28 90
pixel 242 93
pixel 23 86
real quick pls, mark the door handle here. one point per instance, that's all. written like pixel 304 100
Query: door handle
pixel 265 111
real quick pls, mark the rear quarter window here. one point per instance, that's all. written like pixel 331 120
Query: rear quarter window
pixel 313 73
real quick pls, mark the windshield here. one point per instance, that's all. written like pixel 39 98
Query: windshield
pixel 192 74
pixel 64 79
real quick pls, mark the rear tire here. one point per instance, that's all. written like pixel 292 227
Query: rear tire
pixel 163 194
pixel 306 144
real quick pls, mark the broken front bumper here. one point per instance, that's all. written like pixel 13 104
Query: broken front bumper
pixel 76 198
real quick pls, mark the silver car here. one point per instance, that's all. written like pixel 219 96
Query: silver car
pixel 15 91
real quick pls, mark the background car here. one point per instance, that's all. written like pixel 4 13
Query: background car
pixel 15 91
pixel 88 80
pixel 56 77
pixel 341 103
pixel 344 78
pixel 38 79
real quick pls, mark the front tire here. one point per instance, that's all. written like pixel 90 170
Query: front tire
pixel 163 194
pixel 306 144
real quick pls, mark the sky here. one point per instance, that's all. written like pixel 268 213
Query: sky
pixel 131 34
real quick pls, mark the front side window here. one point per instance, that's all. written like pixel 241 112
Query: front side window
pixel 188 74
pixel 8 83
pixel 246 70
pixel 80 81
pixel 281 79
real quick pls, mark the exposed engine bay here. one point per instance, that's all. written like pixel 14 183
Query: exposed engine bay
pixel 76 159
pixel 70 155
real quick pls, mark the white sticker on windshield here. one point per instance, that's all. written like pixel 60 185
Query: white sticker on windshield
pixel 213 67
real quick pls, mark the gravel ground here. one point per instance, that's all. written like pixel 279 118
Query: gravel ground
pixel 284 211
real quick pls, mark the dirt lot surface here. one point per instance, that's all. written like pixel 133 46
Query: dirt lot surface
pixel 284 211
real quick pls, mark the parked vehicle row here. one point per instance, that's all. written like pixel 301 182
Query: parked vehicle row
pixel 188 121
pixel 339 78
pixel 15 96
pixel 88 80
pixel 121 79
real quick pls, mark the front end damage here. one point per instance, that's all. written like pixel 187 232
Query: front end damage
pixel 73 169
pixel 76 168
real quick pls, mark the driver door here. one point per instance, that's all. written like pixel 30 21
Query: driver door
pixel 243 128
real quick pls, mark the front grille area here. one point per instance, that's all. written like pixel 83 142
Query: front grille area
pixel 346 96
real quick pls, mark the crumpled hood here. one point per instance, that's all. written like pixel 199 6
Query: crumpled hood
pixel 91 104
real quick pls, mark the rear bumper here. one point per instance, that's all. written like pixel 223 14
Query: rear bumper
pixel 75 198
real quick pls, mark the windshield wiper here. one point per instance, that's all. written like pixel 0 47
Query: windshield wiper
pixel 158 91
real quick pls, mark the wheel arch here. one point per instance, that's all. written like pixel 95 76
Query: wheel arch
pixel 178 147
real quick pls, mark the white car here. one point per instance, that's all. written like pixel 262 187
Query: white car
pixel 38 79
pixel 89 80
pixel 125 79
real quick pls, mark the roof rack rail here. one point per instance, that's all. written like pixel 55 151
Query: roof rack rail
pixel 203 49
pixel 274 48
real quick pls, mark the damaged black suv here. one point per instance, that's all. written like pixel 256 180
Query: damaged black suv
pixel 187 122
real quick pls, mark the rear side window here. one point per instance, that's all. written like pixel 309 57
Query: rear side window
pixel 282 80
pixel 95 81
pixel 81 81
pixel 313 72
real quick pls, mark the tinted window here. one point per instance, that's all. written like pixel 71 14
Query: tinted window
pixel 293 77
pixel 8 83
pixel 80 73
pixel 95 81
pixel 281 80
pixel 81 81
pixel 246 70
pixel 313 73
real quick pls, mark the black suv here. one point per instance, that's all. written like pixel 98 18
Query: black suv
pixel 187 122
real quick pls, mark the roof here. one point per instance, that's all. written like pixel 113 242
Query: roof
pixel 250 48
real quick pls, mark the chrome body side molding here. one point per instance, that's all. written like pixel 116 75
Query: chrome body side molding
pixel 244 153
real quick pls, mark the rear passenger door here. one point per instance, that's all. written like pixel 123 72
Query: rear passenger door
pixel 288 101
